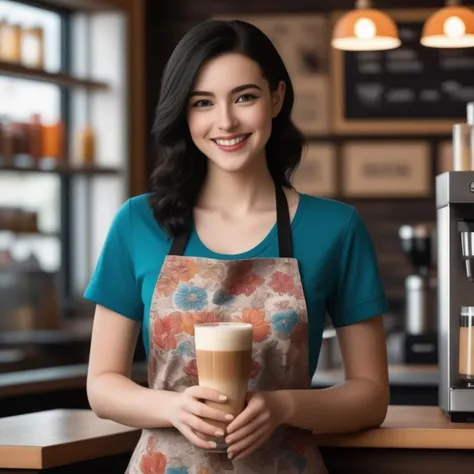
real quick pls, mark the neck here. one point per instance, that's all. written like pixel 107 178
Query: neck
pixel 238 193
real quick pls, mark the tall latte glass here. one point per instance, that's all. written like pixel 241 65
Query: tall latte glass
pixel 224 358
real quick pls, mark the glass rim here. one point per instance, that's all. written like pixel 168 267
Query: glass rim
pixel 224 324
pixel 467 310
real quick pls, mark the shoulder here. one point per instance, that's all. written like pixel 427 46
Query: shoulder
pixel 325 213
pixel 140 205
pixel 137 218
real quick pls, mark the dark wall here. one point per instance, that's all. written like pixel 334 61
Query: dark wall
pixel 168 20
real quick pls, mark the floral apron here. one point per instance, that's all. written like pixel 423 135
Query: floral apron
pixel 266 292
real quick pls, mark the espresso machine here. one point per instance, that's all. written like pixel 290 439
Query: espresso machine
pixel 420 337
pixel 455 260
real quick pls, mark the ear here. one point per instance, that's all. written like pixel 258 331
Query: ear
pixel 277 98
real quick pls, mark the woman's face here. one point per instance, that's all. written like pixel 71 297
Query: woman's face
pixel 230 112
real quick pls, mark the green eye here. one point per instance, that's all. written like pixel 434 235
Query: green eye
pixel 246 98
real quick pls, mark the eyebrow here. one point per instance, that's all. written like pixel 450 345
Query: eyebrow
pixel 233 91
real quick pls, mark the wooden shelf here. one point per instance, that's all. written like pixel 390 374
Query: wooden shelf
pixel 62 170
pixel 88 5
pixel 31 233
pixel 60 79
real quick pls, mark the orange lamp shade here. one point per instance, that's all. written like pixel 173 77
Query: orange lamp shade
pixel 365 29
pixel 450 27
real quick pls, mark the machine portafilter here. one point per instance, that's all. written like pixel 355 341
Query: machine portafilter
pixel 466 228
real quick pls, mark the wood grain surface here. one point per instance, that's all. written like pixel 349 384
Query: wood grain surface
pixel 59 437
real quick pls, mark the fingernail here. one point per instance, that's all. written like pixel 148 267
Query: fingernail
pixel 212 444
pixel 222 398
pixel 219 433
pixel 229 417
pixel 228 440
pixel 230 455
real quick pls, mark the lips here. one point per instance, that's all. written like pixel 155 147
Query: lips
pixel 233 143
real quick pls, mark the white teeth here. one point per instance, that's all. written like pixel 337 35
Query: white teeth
pixel 231 142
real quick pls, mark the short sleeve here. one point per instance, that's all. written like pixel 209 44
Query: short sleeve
pixel 113 283
pixel 358 293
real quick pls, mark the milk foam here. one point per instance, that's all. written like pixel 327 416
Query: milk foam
pixel 223 337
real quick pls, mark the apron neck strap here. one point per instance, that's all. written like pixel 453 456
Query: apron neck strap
pixel 285 245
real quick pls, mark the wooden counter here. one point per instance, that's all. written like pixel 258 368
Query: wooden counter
pixel 408 427
pixel 60 438
pixel 412 439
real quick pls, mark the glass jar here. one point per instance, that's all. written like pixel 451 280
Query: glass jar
pixel 466 345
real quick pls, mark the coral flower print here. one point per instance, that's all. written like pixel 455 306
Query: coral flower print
pixel 282 283
pixel 166 285
pixel 179 269
pixel 261 329
pixel 188 323
pixel 165 331
pixel 245 286
pixel 190 298
pixel 153 463
pixel 191 369
pixel 284 322
pixel 201 317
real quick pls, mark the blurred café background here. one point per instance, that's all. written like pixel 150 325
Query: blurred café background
pixel 79 82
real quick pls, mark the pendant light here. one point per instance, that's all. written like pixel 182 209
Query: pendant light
pixel 450 27
pixel 365 29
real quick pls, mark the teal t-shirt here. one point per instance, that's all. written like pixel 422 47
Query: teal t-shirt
pixel 337 262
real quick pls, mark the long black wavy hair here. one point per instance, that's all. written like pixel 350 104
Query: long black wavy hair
pixel 181 167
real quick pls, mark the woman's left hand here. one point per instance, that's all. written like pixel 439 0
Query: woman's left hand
pixel 265 411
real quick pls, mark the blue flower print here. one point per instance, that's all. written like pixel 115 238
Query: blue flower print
pixel 176 470
pixel 284 321
pixel 186 348
pixel 190 298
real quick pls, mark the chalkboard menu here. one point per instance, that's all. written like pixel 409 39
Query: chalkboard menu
pixel 420 86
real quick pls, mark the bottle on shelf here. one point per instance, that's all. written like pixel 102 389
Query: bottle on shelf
pixel 53 141
pixel 463 142
pixel 6 140
pixel 32 47
pixel 10 42
pixel 87 146
pixel 35 141
pixel 21 144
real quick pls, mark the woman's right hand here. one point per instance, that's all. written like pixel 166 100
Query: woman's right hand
pixel 188 411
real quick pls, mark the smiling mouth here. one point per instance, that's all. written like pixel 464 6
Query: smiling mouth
pixel 232 142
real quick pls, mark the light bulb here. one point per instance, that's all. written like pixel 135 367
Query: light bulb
pixel 364 28
pixel 454 27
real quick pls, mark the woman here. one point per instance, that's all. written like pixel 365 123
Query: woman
pixel 204 246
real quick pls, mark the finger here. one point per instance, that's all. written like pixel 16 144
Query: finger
pixel 196 440
pixel 248 445
pixel 245 431
pixel 205 393
pixel 200 425
pixel 203 411
pixel 245 418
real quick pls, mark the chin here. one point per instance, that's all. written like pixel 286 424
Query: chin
pixel 232 164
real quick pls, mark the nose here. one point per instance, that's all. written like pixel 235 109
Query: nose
pixel 227 119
